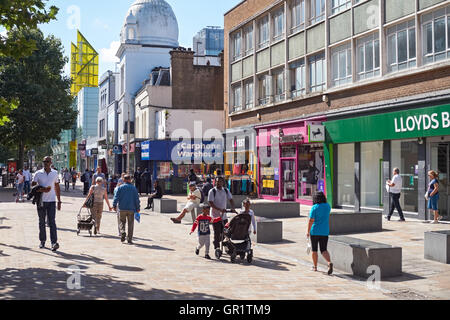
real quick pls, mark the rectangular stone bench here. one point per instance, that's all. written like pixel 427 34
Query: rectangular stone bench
pixel 355 256
pixel 275 210
pixel 347 223
pixel 437 246
pixel 165 205
pixel 267 231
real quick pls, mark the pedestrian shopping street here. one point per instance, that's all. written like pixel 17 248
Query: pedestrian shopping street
pixel 162 263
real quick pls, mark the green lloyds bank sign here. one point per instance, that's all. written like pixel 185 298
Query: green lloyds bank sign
pixel 413 123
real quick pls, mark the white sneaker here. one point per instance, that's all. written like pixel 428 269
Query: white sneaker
pixel 434 222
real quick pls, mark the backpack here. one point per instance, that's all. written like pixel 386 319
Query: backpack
pixel 215 191
pixel 202 200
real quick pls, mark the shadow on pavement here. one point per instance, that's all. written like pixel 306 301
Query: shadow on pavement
pixel 4 227
pixel 258 262
pixel 48 284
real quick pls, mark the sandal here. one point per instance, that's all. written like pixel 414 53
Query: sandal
pixel 330 269
pixel 314 269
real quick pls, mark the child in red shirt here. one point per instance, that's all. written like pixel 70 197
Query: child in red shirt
pixel 204 232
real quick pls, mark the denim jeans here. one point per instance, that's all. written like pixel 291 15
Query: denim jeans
pixel 48 210
pixel 27 187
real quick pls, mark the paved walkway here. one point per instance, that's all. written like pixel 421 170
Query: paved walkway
pixel 162 263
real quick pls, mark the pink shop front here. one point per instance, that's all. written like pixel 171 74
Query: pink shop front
pixel 291 160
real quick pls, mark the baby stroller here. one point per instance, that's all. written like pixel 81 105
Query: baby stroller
pixel 236 239
pixel 85 221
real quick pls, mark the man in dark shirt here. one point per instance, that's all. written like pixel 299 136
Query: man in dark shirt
pixel 207 187
pixel 192 176
pixel 137 180
pixel 158 194
pixel 146 181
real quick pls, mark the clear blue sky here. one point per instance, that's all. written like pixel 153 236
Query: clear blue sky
pixel 102 20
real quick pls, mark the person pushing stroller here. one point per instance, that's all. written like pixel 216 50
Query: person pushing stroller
pixel 204 232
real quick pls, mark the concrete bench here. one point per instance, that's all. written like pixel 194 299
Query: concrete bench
pixel 354 256
pixel 346 222
pixel 437 246
pixel 267 231
pixel 275 210
pixel 165 205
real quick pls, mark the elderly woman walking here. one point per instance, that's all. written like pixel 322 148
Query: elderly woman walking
pixel 100 195
pixel 319 229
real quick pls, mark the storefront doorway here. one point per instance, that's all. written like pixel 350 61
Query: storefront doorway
pixel 440 162
pixel 288 182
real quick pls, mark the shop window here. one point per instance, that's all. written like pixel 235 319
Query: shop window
pixel 401 42
pixel 164 170
pixel 435 35
pixel 288 151
pixel 310 171
pixel 368 57
pixel 371 174
pixel 346 174
pixel 270 177
pixel 405 156
pixel 341 65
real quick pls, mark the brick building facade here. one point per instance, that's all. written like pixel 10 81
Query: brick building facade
pixel 297 68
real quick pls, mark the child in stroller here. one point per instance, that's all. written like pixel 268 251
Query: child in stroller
pixel 237 238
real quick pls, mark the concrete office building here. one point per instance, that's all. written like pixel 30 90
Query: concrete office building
pixel 342 92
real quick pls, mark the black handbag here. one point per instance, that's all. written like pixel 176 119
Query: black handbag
pixel 90 202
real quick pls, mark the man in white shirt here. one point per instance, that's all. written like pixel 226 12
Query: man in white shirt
pixel 194 200
pixel 48 178
pixel 218 198
pixel 395 189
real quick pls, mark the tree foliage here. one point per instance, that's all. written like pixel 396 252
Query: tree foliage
pixel 45 107
pixel 20 15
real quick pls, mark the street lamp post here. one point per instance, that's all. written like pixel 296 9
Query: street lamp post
pixel 128 138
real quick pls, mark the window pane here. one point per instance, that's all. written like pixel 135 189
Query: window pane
pixel 377 54
pixel 439 35
pixel 342 66
pixel 319 75
pixel 312 72
pixel 369 56
pixel 349 62
pixel 428 38
pixel 392 52
pixel 335 66
pixel 360 59
pixel 448 32
pixel 412 43
pixel 402 47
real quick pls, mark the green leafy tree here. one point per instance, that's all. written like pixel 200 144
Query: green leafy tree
pixel 44 92
pixel 20 15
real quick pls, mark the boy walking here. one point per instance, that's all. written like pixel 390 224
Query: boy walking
pixel 204 233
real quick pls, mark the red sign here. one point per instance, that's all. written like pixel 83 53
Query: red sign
pixel 125 148
pixel 12 167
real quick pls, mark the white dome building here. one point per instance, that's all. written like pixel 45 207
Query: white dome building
pixel 149 33
pixel 151 22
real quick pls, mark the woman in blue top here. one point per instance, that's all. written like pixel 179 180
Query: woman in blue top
pixel 433 195
pixel 319 229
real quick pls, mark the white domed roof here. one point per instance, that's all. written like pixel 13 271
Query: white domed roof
pixel 155 24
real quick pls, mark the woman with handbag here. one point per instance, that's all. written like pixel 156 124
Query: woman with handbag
pixel 97 194
pixel 432 195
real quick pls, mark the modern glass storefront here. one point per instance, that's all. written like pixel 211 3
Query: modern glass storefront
pixel 291 160
pixel 362 152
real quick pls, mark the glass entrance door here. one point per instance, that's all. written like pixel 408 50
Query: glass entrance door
pixel 288 180
pixel 440 162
